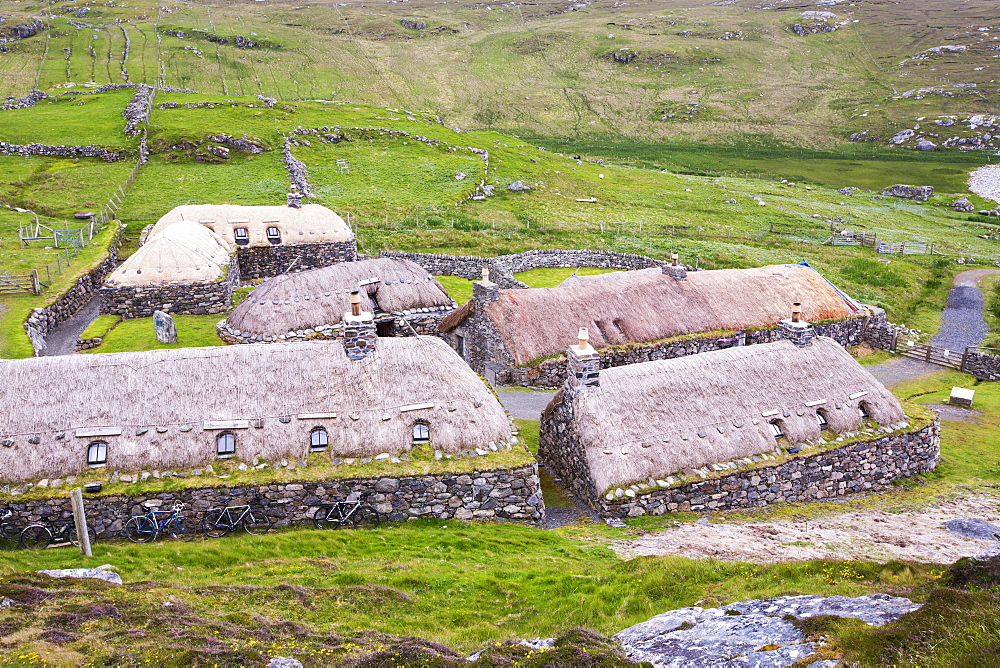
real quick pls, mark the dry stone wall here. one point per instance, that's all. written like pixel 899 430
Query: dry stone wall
pixel 503 494
pixel 982 365
pixel 424 322
pixel 41 321
pixel 267 261
pixel 63 151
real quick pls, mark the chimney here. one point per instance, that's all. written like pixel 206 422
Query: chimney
pixel 583 364
pixel 485 291
pixel 359 330
pixel 294 198
pixel 675 268
pixel 795 329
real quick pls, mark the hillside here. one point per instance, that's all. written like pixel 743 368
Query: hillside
pixel 737 72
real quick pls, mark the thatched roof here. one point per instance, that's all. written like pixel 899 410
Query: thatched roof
pixel 182 253
pixel 313 223
pixel 657 418
pixel 316 297
pixel 161 401
pixel 646 305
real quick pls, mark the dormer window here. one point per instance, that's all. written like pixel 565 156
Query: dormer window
pixel 97 454
pixel 318 440
pixel 225 445
pixel 274 235
pixel 421 434
pixel 241 235
pixel 776 429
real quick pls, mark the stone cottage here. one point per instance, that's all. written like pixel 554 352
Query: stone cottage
pixel 186 268
pixel 360 397
pixel 272 240
pixel 404 299
pixel 642 315
pixel 792 420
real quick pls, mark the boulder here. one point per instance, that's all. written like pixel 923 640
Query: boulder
pixel 518 186
pixel 921 193
pixel 963 204
pixel 100 573
pixel 926 145
pixel 413 25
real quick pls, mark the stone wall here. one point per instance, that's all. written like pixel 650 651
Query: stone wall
pixel 63 151
pixel 552 372
pixel 503 267
pixel 503 494
pixel 982 365
pixel 184 299
pixel 267 261
pixel 41 321
pixel 857 467
pixel 407 323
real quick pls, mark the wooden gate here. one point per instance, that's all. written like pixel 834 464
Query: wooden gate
pixel 931 354
pixel 13 284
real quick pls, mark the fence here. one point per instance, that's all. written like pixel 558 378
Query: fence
pixel 906 248
pixel 18 283
pixel 64 238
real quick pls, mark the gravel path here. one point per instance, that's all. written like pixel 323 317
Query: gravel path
pixel 62 339
pixel 985 182
pixel 525 404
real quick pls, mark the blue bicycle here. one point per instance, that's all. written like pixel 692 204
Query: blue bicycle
pixel 146 528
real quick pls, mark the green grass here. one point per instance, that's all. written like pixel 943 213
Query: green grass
pixel 71 120
pixel 138 334
pixel 459 289
pixel 550 278
pixel 100 326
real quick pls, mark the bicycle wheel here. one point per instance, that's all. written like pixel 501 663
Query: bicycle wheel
pixel 323 518
pixel 364 517
pixel 182 531
pixel 256 523
pixel 140 530
pixel 10 537
pixel 216 523
pixel 36 537
pixel 73 538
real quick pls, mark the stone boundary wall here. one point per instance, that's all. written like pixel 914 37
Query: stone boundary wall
pixel 551 372
pixel 41 321
pixel 424 322
pixel 268 261
pixel 183 298
pixel 502 494
pixel 984 366
pixel 63 151
pixel 503 267
pixel 855 468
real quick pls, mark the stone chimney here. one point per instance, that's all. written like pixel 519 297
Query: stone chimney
pixel 359 330
pixel 675 268
pixel 795 329
pixel 485 291
pixel 294 198
pixel 583 364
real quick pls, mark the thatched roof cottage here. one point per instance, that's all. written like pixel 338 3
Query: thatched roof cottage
pixel 402 296
pixel 507 335
pixel 183 408
pixel 609 429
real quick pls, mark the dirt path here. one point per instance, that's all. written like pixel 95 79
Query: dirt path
pixel 62 339
pixel 867 535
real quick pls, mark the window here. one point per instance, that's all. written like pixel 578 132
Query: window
pixel 776 429
pixel 863 411
pixel 242 236
pixel 274 235
pixel 318 440
pixel 421 434
pixel 225 445
pixel 97 454
pixel 821 419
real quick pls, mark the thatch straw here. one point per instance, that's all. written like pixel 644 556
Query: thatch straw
pixel 182 253
pixel 311 224
pixel 647 305
pixel 659 418
pixel 316 297
pixel 176 389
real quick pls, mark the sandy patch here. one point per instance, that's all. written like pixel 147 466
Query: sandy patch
pixel 873 535
pixel 985 182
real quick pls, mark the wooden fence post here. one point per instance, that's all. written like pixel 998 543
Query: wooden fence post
pixel 80 520
pixel 35 285
pixel 965 357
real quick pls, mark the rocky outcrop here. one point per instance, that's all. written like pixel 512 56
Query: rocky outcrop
pixel 412 25
pixel 919 193
pixel 759 633
pixel 963 204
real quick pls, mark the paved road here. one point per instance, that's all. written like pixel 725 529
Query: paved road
pixel 62 339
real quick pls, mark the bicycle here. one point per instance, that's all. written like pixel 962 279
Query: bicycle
pixel 346 514
pixel 10 535
pixel 148 527
pixel 46 534
pixel 220 521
